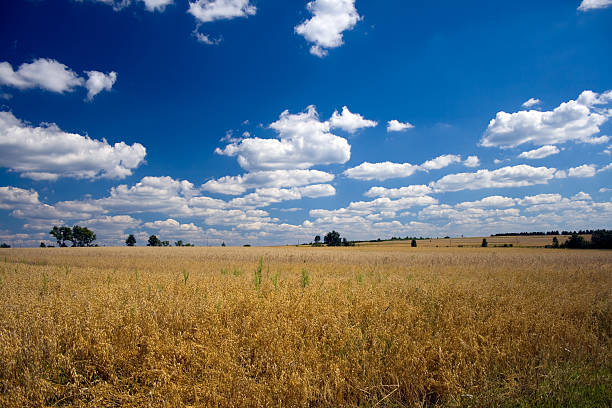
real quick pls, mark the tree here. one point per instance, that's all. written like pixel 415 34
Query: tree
pixel 484 243
pixel 555 242
pixel 61 234
pixel 575 242
pixel 223 244
pixel 317 239
pixel 413 243
pixel 42 245
pixel 332 239
pixel 131 240
pixel 5 245
pixel 82 236
pixel 165 243
pixel 179 243
pixel 154 241
pixel 601 239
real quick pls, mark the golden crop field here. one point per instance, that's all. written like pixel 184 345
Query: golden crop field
pixel 375 326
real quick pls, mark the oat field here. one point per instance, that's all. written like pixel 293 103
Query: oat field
pixel 375 326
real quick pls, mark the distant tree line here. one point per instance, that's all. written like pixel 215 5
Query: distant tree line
pixel 77 235
pixel 332 238
pixel 529 234
pixel 600 239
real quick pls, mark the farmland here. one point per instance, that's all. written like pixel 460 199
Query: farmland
pixel 373 325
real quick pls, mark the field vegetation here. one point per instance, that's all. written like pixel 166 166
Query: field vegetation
pixel 370 326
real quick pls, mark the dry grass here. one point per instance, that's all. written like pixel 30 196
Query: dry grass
pixel 369 327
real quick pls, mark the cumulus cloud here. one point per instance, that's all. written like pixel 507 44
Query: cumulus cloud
pixel 410 191
pixel 387 170
pixel 441 162
pixel 489 202
pixel 605 168
pixel 206 11
pixel 542 152
pixel 98 82
pixel 13 197
pixel 471 161
pixel 587 5
pixel 350 122
pixel 54 76
pixel 540 199
pixel 396 126
pixel 511 176
pixel 47 153
pixel 42 73
pixel 150 5
pixel 381 171
pixel 206 39
pixel 304 141
pixel 330 18
pixel 531 102
pixel 263 197
pixel 235 185
pixel 577 121
pixel 586 170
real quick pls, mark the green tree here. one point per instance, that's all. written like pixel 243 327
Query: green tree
pixel 413 243
pixel 61 235
pixel 332 239
pixel 131 240
pixel 5 245
pixel 154 241
pixel 82 236
pixel 575 242
pixel 42 245
pixel 317 239
pixel 555 242
pixel 223 244
pixel 178 243
pixel 484 243
pixel 601 239
pixel 165 243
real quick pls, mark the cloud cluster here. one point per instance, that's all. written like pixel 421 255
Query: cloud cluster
pixel 206 11
pixel 577 121
pixel 350 122
pixel 304 141
pixel 511 176
pixel 396 126
pixel 54 76
pixel 387 170
pixel 150 5
pixel 540 153
pixel 46 152
pixel 330 18
pixel 587 5
pixel 236 185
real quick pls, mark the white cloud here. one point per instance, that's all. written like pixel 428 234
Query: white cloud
pixel 42 73
pixel 235 185
pixel 410 191
pixel 441 162
pixel 206 11
pixel 265 196
pixel 511 176
pixel 47 153
pixel 586 170
pixel 386 170
pixel 587 5
pixel 471 161
pixel 489 202
pixel 13 197
pixel 582 196
pixel 329 19
pixel 350 122
pixel 98 82
pixel 577 121
pixel 540 199
pixel 531 102
pixel 206 39
pixel 542 152
pixel 304 141
pixel 397 126
pixel 381 171
pixel 157 5
pixel 605 168
pixel 54 76
pixel 318 190
pixel 174 228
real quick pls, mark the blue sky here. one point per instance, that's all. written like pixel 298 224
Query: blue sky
pixel 269 122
